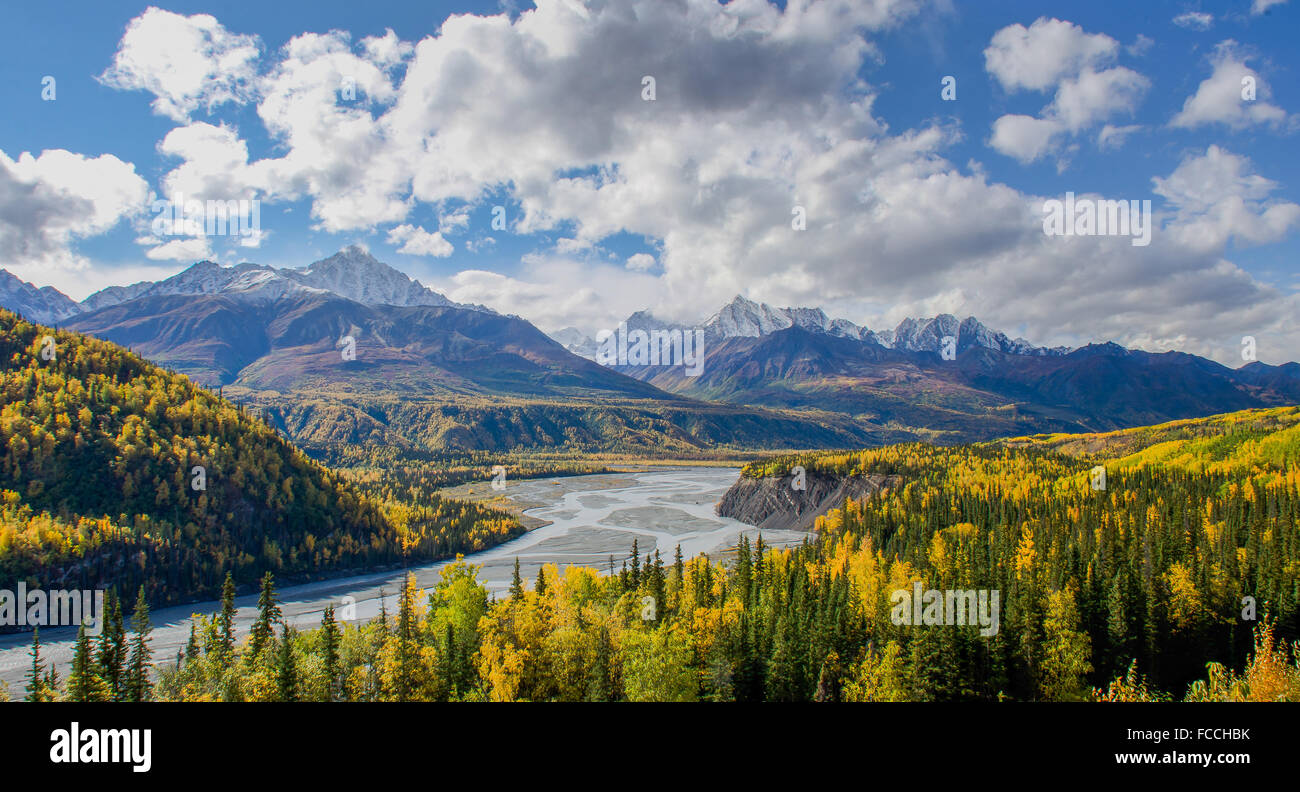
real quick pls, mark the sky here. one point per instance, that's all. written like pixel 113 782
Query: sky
pixel 876 158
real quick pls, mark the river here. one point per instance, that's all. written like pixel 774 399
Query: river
pixel 590 518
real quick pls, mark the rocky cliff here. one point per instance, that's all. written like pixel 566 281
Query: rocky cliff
pixel 774 502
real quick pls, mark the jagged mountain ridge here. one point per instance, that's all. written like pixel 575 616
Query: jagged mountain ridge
pixel 352 273
pixel 744 318
pixel 46 304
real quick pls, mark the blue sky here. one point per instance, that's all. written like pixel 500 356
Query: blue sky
pixel 915 205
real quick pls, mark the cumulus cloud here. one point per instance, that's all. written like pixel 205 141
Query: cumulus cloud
pixel 1024 137
pixel 640 262
pixel 415 241
pixel 1216 196
pixel 185 62
pixel 758 110
pixel 1194 20
pixel 49 202
pixel 557 292
pixel 1055 54
pixel 1223 98
pixel 1035 58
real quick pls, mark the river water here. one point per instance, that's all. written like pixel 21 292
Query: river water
pixel 590 519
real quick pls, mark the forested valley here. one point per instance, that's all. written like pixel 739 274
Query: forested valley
pixel 1177 580
pixel 115 470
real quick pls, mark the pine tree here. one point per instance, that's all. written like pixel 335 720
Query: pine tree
pixel 112 647
pixel 52 683
pixel 540 587
pixel 516 584
pixel 85 682
pixel 268 614
pixel 36 690
pixel 330 651
pixel 192 649
pixel 743 570
pixel 137 686
pixel 227 618
pixel 636 565
pixel 404 678
pixel 286 669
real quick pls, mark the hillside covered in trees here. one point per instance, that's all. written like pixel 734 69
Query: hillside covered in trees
pixel 115 471
pixel 1132 592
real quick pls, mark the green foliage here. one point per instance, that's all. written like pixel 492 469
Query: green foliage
pixel 113 469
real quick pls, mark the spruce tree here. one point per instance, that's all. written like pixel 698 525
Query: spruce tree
pixel 268 614
pixel 52 683
pixel 36 675
pixel 404 679
pixel 744 570
pixel 137 685
pixel 516 584
pixel 85 682
pixel 540 588
pixel 192 649
pixel 227 618
pixel 112 646
pixel 330 638
pixel 286 669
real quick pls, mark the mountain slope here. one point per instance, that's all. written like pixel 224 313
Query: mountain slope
pixel 1154 564
pixel 116 472
pixel 45 304
pixel 993 387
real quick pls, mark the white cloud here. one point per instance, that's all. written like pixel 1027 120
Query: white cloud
pixel 1092 96
pixel 1037 57
pixel 640 262
pixel 387 50
pixel 1260 6
pixel 1140 46
pixel 1054 54
pixel 1217 197
pixel 758 109
pixel 1111 137
pixel 49 202
pixel 187 249
pixel 1219 99
pixel 1024 137
pixel 454 221
pixel 185 62
pixel 557 292
pixel 1194 20
pixel 415 241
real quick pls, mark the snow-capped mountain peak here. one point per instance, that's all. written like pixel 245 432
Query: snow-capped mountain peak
pixel 355 274
pixel 745 318
pixel 46 304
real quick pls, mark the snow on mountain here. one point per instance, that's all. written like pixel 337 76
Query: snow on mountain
pixel 351 273
pixel 355 274
pixel 743 317
pixel 46 305
pixel 577 342
pixel 114 295
pixel 746 318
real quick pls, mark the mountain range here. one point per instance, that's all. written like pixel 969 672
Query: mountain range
pixel 798 358
pixel 743 318
pixel 352 273
pixel 349 350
